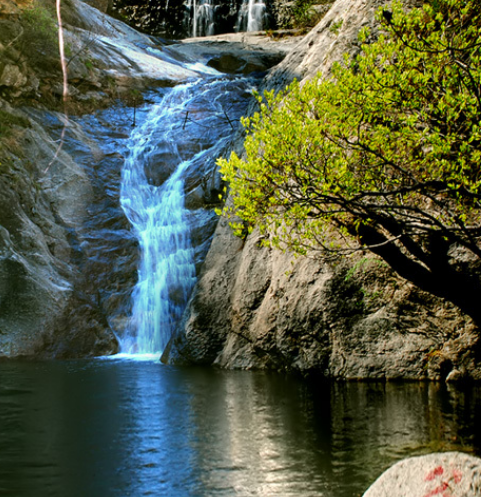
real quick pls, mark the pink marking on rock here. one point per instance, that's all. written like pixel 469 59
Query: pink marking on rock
pixel 435 472
pixel 442 490
pixel 457 475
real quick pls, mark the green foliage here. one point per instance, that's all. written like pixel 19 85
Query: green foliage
pixel 336 26
pixel 304 14
pixel 362 265
pixel 40 30
pixel 387 150
pixel 8 120
pixel 134 97
pixel 89 64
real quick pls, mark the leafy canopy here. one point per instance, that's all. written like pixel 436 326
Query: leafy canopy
pixel 390 143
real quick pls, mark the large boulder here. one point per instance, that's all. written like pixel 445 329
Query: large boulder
pixel 236 53
pixel 258 308
pixel 450 474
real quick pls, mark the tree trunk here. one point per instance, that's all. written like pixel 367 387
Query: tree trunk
pixel 435 276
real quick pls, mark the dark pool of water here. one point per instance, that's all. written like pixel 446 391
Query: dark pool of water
pixel 117 428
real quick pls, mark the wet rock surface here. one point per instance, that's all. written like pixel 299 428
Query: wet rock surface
pixel 106 59
pixel 44 310
pixel 237 53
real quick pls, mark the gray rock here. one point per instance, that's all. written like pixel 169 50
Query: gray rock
pixel 44 311
pixel 257 308
pixel 238 53
pixel 104 53
pixel 12 76
pixel 450 474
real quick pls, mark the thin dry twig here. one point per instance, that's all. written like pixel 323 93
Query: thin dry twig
pixel 63 63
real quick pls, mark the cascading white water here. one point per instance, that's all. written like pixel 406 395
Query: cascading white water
pixel 201 17
pixel 251 17
pixel 167 273
pixel 184 132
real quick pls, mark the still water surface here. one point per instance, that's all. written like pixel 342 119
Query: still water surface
pixel 118 428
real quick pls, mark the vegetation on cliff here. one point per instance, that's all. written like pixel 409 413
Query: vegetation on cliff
pixel 28 38
pixel 385 156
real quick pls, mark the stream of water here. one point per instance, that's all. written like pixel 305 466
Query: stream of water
pixel 158 215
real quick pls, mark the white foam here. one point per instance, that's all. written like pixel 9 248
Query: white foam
pixel 131 357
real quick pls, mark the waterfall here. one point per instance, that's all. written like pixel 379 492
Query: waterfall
pixel 175 144
pixel 252 16
pixel 167 273
pixel 203 17
pixel 200 17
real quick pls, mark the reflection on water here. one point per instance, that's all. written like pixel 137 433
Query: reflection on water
pixel 122 428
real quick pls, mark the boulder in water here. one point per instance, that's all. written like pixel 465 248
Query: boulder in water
pixel 449 474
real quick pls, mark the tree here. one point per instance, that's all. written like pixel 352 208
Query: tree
pixel 383 156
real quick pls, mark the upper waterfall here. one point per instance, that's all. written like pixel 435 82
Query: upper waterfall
pixel 200 17
pixel 252 16
pixel 209 17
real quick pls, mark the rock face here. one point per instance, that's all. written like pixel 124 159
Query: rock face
pixel 106 58
pixel 67 256
pixel 450 474
pixel 255 308
pixel 44 311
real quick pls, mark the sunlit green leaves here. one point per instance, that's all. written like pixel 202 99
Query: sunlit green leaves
pixel 392 140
